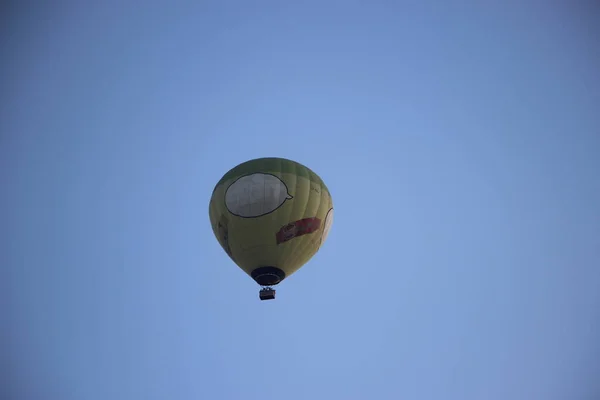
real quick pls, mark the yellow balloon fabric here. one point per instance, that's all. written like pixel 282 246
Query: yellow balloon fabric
pixel 271 215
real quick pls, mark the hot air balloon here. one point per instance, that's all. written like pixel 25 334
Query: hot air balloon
pixel 271 216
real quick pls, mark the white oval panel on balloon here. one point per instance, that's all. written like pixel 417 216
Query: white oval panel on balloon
pixel 327 227
pixel 256 195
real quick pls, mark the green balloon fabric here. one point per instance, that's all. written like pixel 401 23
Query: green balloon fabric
pixel 271 215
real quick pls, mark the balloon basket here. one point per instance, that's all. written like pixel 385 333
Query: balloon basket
pixel 267 293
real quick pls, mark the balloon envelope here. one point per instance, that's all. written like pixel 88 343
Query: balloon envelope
pixel 271 215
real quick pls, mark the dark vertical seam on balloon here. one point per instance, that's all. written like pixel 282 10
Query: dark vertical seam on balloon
pixel 295 245
pixel 214 209
pixel 301 249
pixel 318 212
pixel 308 239
pixel 328 207
pixel 323 207
pixel 288 253
pixel 262 209
pixel 290 248
pixel 283 255
pixel 273 216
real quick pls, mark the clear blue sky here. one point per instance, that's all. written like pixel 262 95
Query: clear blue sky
pixel 461 145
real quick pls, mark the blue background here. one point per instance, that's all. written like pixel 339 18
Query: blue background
pixel 460 141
